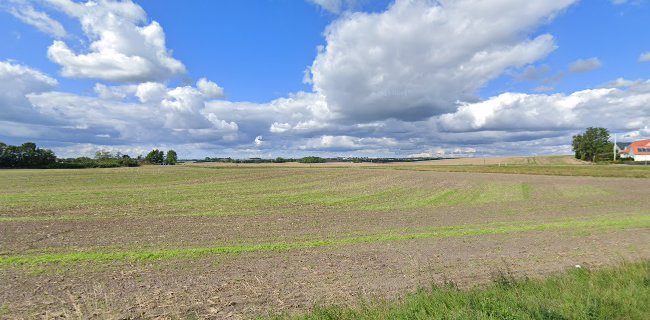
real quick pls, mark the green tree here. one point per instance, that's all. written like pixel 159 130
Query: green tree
pixel 312 159
pixel 155 156
pixel 26 155
pixel 588 145
pixel 103 155
pixel 171 158
pixel 577 145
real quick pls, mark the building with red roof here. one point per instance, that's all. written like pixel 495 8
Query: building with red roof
pixel 639 150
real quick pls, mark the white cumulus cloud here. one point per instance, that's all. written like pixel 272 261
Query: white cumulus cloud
pixel 17 81
pixel 209 88
pixel 347 143
pixel 259 141
pixel 615 108
pixel 124 47
pixel 415 60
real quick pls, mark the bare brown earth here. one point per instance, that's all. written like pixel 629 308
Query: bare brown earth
pixel 278 205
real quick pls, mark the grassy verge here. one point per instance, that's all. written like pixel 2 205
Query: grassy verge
pixel 616 293
pixel 602 223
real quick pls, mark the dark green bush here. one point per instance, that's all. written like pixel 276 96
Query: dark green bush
pixel 312 160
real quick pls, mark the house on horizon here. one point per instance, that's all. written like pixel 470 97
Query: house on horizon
pixel 637 150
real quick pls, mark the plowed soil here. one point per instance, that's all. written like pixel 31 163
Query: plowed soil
pixel 242 242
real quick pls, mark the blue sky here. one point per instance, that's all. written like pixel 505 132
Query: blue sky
pixel 384 78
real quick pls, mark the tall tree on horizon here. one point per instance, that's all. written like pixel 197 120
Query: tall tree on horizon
pixel 588 145
pixel 171 158
pixel 156 156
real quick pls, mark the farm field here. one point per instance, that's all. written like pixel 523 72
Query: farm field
pixel 228 241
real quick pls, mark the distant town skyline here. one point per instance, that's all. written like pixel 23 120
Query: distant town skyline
pixel 330 78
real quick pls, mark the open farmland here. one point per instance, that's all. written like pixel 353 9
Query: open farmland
pixel 244 241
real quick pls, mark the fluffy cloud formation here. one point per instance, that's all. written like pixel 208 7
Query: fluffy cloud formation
pixel 209 88
pixel 16 81
pixel 622 109
pixel 347 143
pixel 442 152
pixel 259 141
pixel 143 114
pixel 414 60
pixel 123 47
pixel 300 114
pixel 585 65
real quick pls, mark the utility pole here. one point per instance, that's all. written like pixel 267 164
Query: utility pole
pixel 614 146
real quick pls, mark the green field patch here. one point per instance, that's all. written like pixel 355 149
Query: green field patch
pixel 486 193
pixel 360 201
pixel 446 198
pixel 601 223
pixel 503 192
pixel 526 190
pixel 229 195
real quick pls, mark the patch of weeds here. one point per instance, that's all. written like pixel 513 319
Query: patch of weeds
pixel 546 313
pixel 449 284
pixel 4 310
pixel 504 278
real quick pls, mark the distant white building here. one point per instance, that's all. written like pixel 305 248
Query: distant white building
pixel 638 150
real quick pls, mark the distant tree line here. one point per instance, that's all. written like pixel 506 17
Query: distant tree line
pixel 102 159
pixel 313 159
pixel 310 159
pixel 28 155
pixel 251 160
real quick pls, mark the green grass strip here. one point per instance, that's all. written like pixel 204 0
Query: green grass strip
pixel 602 223
pixel 622 292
